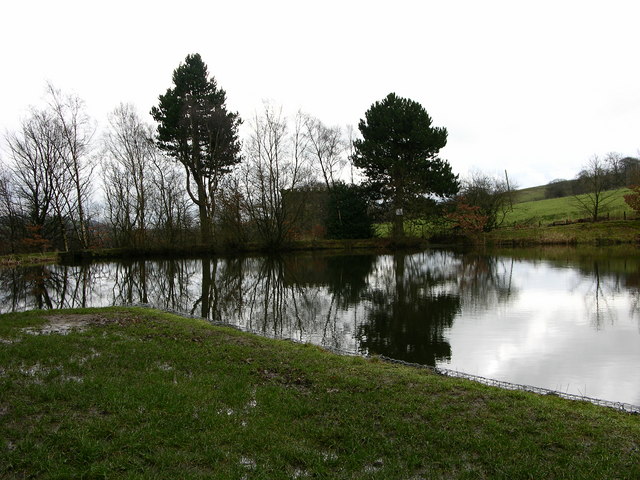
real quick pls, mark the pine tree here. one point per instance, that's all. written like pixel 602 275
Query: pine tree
pixel 399 155
pixel 195 128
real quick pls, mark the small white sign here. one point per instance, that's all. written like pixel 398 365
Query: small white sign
pixel 398 211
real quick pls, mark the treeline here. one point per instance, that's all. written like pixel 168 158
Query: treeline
pixel 45 193
pixel 191 180
pixel 65 187
pixel 611 171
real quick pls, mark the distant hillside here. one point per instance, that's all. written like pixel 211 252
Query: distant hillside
pixel 530 194
pixel 554 189
pixel 551 210
pixel 617 173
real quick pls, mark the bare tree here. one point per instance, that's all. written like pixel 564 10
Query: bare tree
pixel 492 196
pixel 231 219
pixel 128 169
pixel 144 192
pixel 10 213
pixel 37 164
pixel 350 150
pixel 76 133
pixel 595 181
pixel 171 212
pixel 276 163
pixel 118 204
pixel 50 168
pixel 615 167
pixel 326 148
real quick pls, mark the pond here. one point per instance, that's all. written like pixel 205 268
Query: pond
pixel 558 318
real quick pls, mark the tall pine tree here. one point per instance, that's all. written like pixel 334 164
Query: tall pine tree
pixel 195 128
pixel 399 155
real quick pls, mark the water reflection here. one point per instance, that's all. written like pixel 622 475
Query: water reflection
pixel 557 322
pixel 409 310
pixel 46 287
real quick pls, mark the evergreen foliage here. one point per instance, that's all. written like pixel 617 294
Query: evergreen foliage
pixel 398 153
pixel 195 128
pixel 348 212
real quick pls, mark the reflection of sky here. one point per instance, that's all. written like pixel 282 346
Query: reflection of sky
pixel 558 332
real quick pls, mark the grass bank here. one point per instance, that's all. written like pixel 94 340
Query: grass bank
pixel 132 393
pixel 599 233
pixel 28 259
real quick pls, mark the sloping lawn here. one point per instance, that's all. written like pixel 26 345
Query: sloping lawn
pixel 557 209
pixel 133 393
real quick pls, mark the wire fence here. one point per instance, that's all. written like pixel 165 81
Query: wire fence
pixel 625 407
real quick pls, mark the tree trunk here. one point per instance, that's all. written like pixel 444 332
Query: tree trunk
pixel 84 235
pixel 63 233
pixel 205 221
pixel 398 220
pixel 398 212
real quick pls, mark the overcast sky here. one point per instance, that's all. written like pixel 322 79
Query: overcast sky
pixel 532 87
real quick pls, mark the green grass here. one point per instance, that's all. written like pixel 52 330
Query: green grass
pixel 413 228
pixel 142 394
pixel 26 259
pixel 558 209
pixel 538 212
pixel 600 233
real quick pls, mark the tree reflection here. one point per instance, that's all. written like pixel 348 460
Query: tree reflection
pixel 348 278
pixel 170 283
pixel 278 303
pixel 484 281
pixel 415 298
pixel 409 311
pixel 130 282
pixel 11 289
pixel 48 287
pixel 165 283
pixel 221 289
pixel 41 281
pixel 398 305
pixel 603 285
pixel 295 296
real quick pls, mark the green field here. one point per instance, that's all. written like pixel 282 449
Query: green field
pixel 538 213
pixel 558 209
pixel 133 393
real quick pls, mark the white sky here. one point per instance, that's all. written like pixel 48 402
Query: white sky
pixel 533 87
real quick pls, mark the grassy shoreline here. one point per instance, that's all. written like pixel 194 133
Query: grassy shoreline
pixel 26 259
pixel 613 232
pixel 137 393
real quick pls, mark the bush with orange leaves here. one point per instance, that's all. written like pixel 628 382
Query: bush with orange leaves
pixel 468 218
pixel 633 199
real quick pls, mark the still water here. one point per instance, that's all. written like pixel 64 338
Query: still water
pixel 563 319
